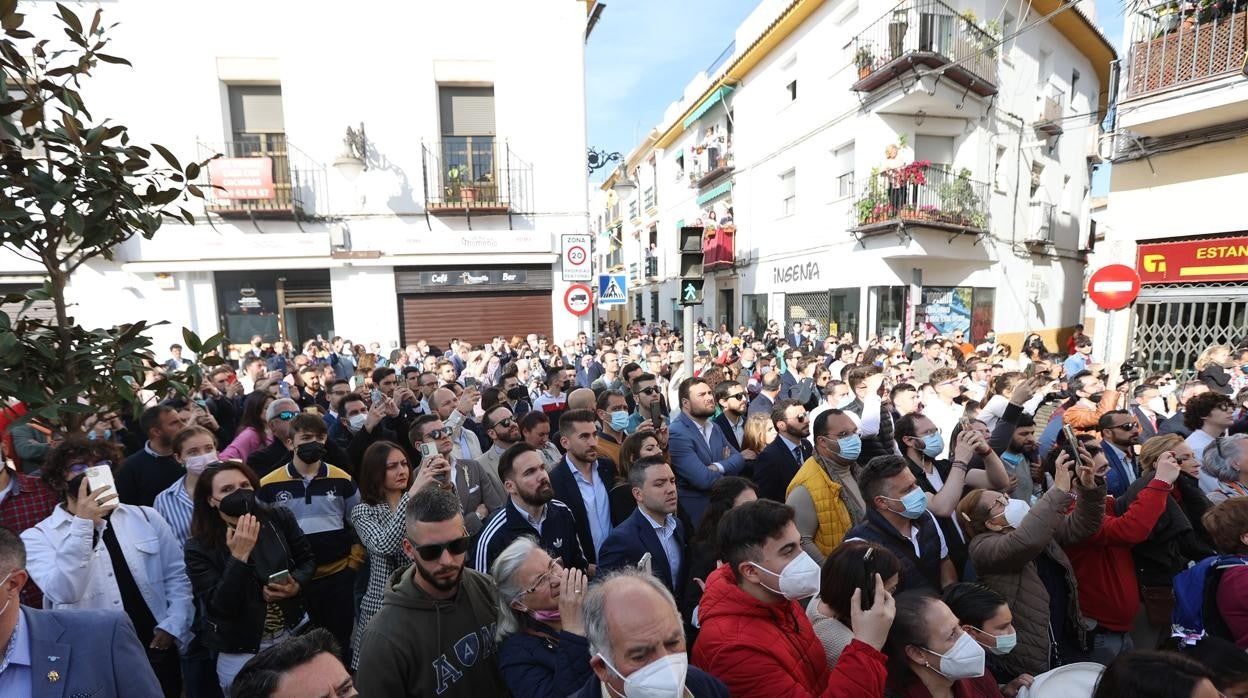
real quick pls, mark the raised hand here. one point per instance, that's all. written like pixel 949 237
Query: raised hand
pixel 242 538
pixel 871 626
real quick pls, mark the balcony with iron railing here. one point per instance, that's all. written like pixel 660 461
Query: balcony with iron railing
pixel 474 175
pixel 711 159
pixel 1175 44
pixel 652 267
pixel 921 194
pixel 918 36
pixel 261 175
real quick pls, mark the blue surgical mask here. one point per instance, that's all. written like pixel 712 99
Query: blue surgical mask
pixel 619 420
pixel 933 444
pixel 850 446
pixel 1014 459
pixel 845 401
pixel 914 501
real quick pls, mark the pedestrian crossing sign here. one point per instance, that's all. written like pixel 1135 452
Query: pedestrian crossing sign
pixel 612 289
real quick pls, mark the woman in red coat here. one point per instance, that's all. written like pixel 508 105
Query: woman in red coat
pixel 931 656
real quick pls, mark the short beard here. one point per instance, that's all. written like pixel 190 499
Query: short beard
pixel 539 498
pixel 437 583
pixel 701 414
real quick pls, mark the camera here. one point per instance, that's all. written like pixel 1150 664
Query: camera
pixel 1129 371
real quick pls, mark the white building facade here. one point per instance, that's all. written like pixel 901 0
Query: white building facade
pixel 1180 150
pixel 446 223
pixel 781 152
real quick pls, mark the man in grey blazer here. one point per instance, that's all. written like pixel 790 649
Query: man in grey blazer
pixel 480 494
pixel 699 451
pixel 55 654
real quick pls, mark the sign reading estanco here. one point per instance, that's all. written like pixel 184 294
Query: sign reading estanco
pixel 242 178
pixel 1195 261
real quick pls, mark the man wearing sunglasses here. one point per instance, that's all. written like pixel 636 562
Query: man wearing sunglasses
pixel 780 461
pixel 648 398
pixel 434 632
pixel 733 400
pixel 504 431
pixel 479 493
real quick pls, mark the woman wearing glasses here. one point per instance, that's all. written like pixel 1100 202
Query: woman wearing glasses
pixel 542 646
pixel 248 565
pixel 386 483
pixel 94 553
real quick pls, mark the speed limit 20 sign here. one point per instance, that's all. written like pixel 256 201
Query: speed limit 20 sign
pixel 577 264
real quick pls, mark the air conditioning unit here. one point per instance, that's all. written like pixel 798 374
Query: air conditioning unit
pixel 1040 229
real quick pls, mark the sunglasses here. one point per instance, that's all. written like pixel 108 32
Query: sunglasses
pixel 433 551
pixel 80 468
pixel 438 433
pixel 504 423
pixel 735 396
pixel 286 416
pixel 651 390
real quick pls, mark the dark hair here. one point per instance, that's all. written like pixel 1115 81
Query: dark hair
pixel 779 409
pixel 508 459
pixel 724 387
pixel 529 420
pixel 1075 382
pixel 336 381
pixel 371 476
pixel 1226 661
pixel 1084 341
pixel 847 569
pixel 909 628
pixel 432 505
pixel 409 370
pixel 150 419
pixel 380 374
pixel 76 449
pixel 12 551
pixel 1150 674
pixel 341 407
pixel 905 428
pixel 643 377
pixel 575 417
pixel 820 427
pixel 1199 407
pixel 207 526
pixel 260 676
pixel 418 427
pixel 305 423
pixel 637 471
pixel 1106 420
pixel 722 496
pixel 605 397
pixel 630 448
pixel 253 412
pixel 877 470
pixel 1005 381
pixel 899 389
pixel 743 530
pixel 682 393
pixel 972 603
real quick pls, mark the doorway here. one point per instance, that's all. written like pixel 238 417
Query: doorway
pixel 724 306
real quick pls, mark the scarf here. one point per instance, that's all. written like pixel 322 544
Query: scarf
pixel 856 510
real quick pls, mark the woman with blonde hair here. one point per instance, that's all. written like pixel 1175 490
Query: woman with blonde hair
pixel 1211 368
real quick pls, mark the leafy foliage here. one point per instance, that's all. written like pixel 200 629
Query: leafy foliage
pixel 72 188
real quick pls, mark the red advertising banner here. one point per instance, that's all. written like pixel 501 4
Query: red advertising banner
pixel 242 178
pixel 1224 259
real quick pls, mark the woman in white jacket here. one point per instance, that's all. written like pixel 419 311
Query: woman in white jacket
pixel 93 553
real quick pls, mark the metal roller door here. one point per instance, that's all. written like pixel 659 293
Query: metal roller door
pixel 476 317
pixel 1172 326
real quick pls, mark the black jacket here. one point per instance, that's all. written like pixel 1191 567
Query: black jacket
pixel 1216 377
pixel 1178 536
pixel 775 468
pixel 722 420
pixel 228 593
pixel 267 459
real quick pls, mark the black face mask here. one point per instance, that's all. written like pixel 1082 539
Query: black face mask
pixel 73 487
pixel 237 503
pixel 310 452
pixel 1096 397
pixel 568 385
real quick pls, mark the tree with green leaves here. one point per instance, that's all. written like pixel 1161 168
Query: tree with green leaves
pixel 72 188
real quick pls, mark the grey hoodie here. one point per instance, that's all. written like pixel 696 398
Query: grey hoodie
pixel 420 646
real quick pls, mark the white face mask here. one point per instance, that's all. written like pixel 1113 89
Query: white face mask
pixel 1015 512
pixel 662 678
pixel 1168 389
pixel 965 660
pixel 798 580
pixel 196 464
pixel 1157 405
pixel 356 422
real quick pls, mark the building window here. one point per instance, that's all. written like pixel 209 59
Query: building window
pixel 843 170
pixel 788 193
pixel 935 149
pixel 996 169
pixel 468 136
pixel 258 130
pixel 654 306
pixel 680 166
pixel 1007 28
pixel 1044 68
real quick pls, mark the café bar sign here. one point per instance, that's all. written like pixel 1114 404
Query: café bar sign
pixel 242 178
pixel 1193 261
pixel 490 277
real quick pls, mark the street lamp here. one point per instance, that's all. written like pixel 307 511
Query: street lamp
pixel 354 157
pixel 624 186
pixel 597 159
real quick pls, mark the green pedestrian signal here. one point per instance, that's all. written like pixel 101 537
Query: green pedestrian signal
pixel 691 291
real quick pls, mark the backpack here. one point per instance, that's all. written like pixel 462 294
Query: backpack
pixel 1195 613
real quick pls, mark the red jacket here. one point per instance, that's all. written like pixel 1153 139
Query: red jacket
pixel 760 649
pixel 980 687
pixel 1104 568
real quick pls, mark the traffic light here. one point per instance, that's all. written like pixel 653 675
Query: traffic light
pixel 691 266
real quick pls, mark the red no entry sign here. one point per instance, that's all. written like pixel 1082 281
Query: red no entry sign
pixel 1114 287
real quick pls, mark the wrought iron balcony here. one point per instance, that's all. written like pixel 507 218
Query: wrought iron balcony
pixel 261 175
pixel 474 175
pixel 924 35
pixel 652 267
pixel 1176 44
pixel 921 194
pixel 712 159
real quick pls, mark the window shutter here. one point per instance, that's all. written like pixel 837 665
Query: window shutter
pixel 256 109
pixel 467 111
pixel 936 149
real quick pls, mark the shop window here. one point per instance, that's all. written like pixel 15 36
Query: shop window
pixel 754 312
pixel 889 310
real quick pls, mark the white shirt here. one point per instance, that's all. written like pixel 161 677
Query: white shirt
pixel 73 574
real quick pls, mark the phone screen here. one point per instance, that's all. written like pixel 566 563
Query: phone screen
pixel 868 588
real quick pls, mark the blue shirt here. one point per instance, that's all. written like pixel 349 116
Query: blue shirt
pixel 667 538
pixel 597 505
pixel 15 681
pixel 176 506
pixel 1074 364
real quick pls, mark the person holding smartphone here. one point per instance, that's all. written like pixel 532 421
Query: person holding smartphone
pixel 95 553
pixel 248 565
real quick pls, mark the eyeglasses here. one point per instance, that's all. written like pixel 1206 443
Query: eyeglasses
pixel 286 416
pixel 735 396
pixel 80 468
pixel 433 551
pixel 799 418
pixel 505 423
pixel 438 433
pixel 554 568
pixel 649 390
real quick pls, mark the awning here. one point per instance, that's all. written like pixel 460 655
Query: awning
pixel 711 100
pixel 717 191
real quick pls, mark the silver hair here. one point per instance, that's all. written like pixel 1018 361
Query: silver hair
pixel 594 611
pixel 1222 457
pixel 276 406
pixel 504 573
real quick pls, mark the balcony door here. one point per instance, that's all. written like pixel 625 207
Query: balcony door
pixel 258 129
pixel 469 157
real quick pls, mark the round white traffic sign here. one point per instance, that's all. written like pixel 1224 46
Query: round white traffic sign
pixel 577 255
pixel 577 299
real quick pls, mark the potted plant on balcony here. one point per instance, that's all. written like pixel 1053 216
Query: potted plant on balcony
pixel 864 58
pixel 959 202
pixel 456 175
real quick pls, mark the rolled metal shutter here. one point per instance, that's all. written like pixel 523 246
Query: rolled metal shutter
pixel 476 317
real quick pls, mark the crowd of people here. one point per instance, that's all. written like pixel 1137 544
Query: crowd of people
pixel 790 515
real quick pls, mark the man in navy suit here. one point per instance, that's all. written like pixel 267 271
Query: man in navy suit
pixel 699 451
pixel 652 528
pixel 65 653
pixel 1120 432
pixel 790 378
pixel 733 401
pixel 583 482
pixel 1148 409
pixel 769 392
pixel 782 458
